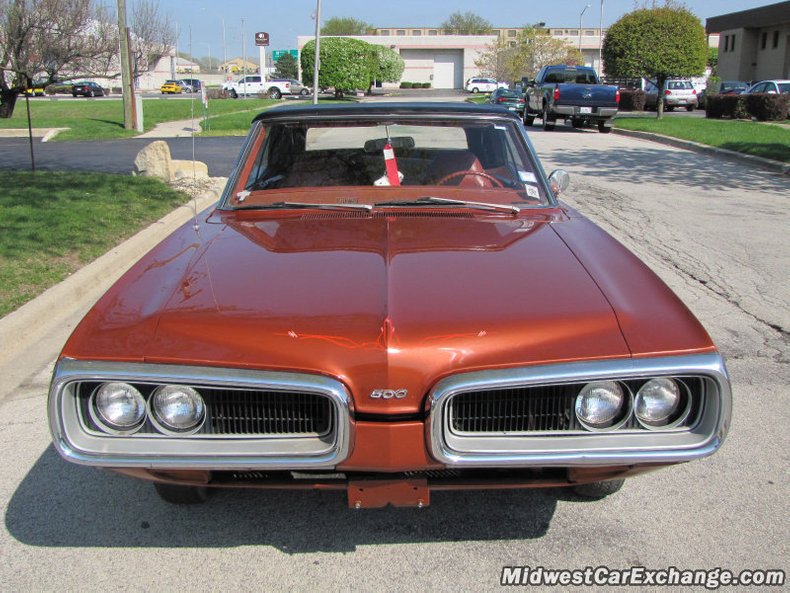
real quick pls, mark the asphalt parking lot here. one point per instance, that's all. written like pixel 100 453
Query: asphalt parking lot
pixel 714 230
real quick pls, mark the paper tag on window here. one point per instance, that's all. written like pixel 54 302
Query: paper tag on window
pixel 527 177
pixel 532 191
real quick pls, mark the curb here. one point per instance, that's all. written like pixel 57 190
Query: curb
pixel 43 315
pixel 770 164
pixel 45 134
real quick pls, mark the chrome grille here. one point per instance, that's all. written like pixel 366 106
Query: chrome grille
pixel 242 412
pixel 537 409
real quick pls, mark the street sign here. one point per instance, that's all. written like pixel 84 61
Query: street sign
pixel 261 38
pixel 279 53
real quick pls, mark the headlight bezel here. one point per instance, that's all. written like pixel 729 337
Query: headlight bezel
pixel 107 426
pixel 622 413
pixel 162 426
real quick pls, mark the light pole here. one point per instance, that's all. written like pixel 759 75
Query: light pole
pixel 580 25
pixel 317 42
pixel 600 45
pixel 224 45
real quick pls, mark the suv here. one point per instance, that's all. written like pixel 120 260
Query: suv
pixel 678 92
pixel 255 84
pixel 481 85
pixel 190 85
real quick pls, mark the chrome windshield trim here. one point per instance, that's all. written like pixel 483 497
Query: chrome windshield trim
pixel 80 446
pixel 611 448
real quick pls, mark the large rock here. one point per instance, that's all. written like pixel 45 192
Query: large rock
pixel 154 161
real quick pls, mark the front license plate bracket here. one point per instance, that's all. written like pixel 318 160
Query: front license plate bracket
pixel 376 494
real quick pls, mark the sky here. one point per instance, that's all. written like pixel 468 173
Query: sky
pixel 284 20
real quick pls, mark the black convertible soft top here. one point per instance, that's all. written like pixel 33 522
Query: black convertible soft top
pixel 379 109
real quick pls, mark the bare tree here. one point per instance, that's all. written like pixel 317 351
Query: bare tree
pixel 42 38
pixel 152 36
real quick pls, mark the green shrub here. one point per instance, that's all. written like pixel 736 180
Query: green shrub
pixel 426 85
pixel 734 106
pixel 767 107
pixel 406 85
pixel 632 100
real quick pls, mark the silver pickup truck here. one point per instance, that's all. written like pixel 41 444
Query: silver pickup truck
pixel 572 93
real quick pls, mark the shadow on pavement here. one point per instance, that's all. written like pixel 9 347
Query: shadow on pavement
pixel 59 504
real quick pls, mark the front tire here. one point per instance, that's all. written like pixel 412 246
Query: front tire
pixel 598 490
pixel 274 93
pixel 304 92
pixel 175 494
pixel 548 126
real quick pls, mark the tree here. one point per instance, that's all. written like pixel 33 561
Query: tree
pixel 66 39
pixel 466 23
pixel 152 36
pixel 39 38
pixel 286 67
pixel 346 64
pixel 656 43
pixel 346 26
pixel 390 65
pixel 533 49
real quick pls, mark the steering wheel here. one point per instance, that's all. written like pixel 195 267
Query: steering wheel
pixel 483 174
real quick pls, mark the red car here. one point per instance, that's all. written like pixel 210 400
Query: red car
pixel 388 299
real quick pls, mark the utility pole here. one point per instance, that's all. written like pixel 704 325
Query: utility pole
pixel 126 78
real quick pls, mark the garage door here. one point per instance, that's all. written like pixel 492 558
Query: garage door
pixel 448 70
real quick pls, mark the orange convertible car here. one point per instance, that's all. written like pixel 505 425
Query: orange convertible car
pixel 388 300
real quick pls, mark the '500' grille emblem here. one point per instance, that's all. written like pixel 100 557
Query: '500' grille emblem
pixel 389 393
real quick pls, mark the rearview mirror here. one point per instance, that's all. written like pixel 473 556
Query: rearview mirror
pixel 559 181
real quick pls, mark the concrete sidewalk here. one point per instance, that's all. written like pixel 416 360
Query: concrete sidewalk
pixel 174 129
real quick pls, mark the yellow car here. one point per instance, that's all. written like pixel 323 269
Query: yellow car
pixel 171 86
pixel 36 88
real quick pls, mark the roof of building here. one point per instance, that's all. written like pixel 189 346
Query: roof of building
pixel 755 18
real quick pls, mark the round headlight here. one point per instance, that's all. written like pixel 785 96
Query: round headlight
pixel 657 401
pixel 600 404
pixel 117 408
pixel 177 409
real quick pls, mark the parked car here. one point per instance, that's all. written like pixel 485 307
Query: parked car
pixel 37 88
pixel 87 89
pixel 482 85
pixel 571 93
pixel 776 87
pixel 509 99
pixel 423 313
pixel 678 92
pixel 256 85
pixel 171 87
pixel 190 85
pixel 296 87
pixel 724 87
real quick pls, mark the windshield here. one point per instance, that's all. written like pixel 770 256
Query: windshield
pixel 374 162
pixel 679 84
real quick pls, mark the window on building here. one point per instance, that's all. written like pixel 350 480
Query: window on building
pixel 512 44
pixel 511 33
pixel 384 32
pixel 416 32
pixel 589 33
pixel 776 39
pixel 726 43
pixel 433 32
pixel 557 32
pixel 400 32
pixel 732 43
pixel 574 32
pixel 763 40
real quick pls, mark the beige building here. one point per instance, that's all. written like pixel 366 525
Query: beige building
pixel 753 44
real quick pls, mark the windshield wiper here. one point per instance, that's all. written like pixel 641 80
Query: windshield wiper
pixel 305 205
pixel 432 200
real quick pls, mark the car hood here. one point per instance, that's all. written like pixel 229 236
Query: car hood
pixel 390 302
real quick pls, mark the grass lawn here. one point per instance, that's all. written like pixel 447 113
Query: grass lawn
pixel 758 139
pixel 53 223
pixel 102 119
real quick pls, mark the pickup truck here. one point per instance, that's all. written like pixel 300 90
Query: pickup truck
pixel 255 84
pixel 571 93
